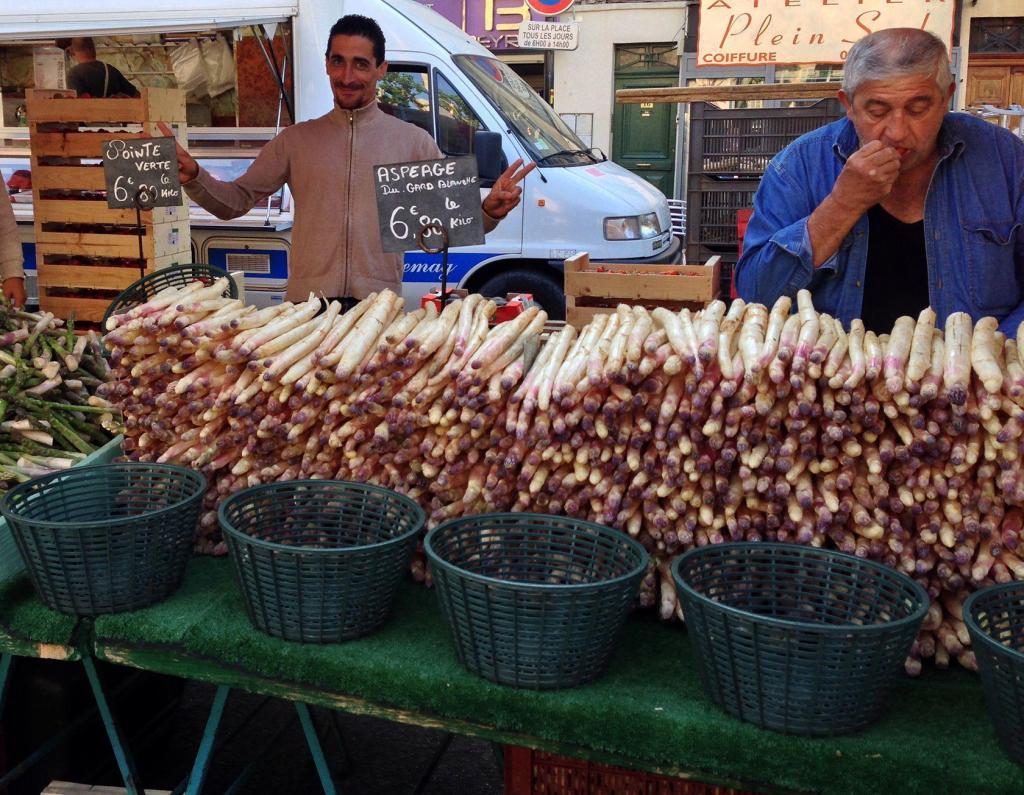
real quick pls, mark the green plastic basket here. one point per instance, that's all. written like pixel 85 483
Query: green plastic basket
pixel 105 539
pixel 11 563
pixel 797 639
pixel 149 285
pixel 319 561
pixel 995 621
pixel 534 601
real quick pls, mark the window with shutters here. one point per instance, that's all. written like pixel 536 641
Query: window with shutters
pixel 997 35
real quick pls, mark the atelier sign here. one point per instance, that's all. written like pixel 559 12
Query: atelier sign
pixel 750 32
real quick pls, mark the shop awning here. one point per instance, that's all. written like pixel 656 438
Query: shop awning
pixel 53 18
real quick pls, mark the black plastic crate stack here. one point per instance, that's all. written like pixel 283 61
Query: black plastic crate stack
pixel 730 149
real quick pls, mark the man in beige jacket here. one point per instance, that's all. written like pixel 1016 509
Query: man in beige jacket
pixel 328 163
pixel 10 252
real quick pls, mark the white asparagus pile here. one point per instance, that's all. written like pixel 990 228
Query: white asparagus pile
pixel 680 428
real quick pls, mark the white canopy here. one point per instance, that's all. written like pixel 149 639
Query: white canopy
pixel 39 19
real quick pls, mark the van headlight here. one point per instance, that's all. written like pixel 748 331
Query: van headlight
pixel 632 227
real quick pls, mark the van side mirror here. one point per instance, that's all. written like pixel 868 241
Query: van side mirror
pixel 490 159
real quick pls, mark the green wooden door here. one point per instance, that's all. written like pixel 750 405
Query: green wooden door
pixel 644 135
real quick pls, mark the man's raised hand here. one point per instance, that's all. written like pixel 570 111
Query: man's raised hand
pixel 867 178
pixel 504 196
pixel 188 168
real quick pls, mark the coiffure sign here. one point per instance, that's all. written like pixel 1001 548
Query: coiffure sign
pixel 493 23
pixel 757 32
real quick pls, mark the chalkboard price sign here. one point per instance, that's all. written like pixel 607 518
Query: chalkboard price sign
pixel 142 169
pixel 411 196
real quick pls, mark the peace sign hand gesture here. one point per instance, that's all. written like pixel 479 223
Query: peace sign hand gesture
pixel 504 195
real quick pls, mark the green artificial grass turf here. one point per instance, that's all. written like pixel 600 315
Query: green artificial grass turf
pixel 26 623
pixel 649 708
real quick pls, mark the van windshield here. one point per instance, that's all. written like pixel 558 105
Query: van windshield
pixel 549 141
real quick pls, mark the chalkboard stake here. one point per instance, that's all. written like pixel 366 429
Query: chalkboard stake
pixel 143 201
pixel 442 250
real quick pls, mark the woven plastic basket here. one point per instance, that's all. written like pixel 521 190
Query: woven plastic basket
pixel 995 621
pixel 797 639
pixel 532 600
pixel 319 561
pixel 149 285
pixel 104 539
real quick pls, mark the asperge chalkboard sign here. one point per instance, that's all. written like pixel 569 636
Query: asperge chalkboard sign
pixel 411 196
pixel 141 172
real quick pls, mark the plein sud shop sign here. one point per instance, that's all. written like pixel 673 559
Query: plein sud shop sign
pixel 419 197
pixel 752 32
pixel 141 172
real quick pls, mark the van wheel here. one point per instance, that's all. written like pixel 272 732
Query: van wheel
pixel 545 289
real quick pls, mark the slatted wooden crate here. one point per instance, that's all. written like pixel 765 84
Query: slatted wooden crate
pixel 86 252
pixel 594 288
pixel 529 772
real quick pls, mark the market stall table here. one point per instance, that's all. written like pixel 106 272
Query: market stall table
pixel 649 712
pixel 30 629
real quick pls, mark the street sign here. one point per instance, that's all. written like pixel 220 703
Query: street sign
pixel 549 35
pixel 550 8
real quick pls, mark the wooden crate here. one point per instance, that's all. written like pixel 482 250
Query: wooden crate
pixel 152 105
pixel 529 772
pixel 594 288
pixel 86 252
pixel 71 788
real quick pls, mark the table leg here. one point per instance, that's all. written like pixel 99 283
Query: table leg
pixel 205 752
pixel 432 766
pixel 6 666
pixel 125 761
pixel 313 741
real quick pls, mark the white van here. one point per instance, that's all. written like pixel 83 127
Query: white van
pixel 440 79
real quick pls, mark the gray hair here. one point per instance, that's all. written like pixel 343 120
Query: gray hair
pixel 896 52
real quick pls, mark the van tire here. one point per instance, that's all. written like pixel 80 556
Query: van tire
pixel 545 289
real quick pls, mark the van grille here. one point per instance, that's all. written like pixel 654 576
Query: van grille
pixel 250 263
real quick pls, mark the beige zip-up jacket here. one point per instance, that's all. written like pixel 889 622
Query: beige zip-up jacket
pixel 10 241
pixel 328 163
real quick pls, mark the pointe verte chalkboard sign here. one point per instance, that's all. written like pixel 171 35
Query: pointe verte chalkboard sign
pixel 141 168
pixel 413 195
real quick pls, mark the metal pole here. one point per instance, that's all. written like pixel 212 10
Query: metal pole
pixel 277 129
pixel 143 200
pixel 442 250
pixel 272 63
pixel 549 72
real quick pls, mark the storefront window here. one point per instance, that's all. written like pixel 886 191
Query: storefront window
pixel 647 58
pixel 729 81
pixel 997 35
pixel 807 73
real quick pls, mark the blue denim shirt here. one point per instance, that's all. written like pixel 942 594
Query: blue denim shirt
pixel 973 225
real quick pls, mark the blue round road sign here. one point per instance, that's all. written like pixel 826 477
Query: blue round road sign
pixel 549 7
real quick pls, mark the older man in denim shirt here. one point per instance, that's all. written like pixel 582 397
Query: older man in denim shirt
pixel 942 194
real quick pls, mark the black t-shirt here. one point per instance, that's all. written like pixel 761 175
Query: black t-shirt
pixel 88 78
pixel 896 276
